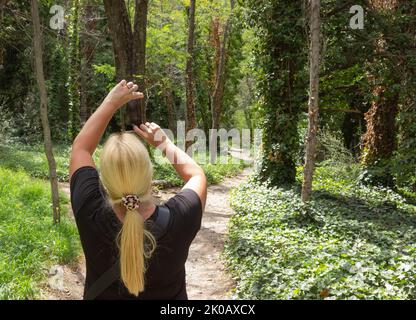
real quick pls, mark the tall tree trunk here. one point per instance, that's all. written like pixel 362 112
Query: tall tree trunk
pixel 220 77
pixel 313 100
pixel 219 85
pixel 129 48
pixel 380 137
pixel 87 51
pixel 190 99
pixel 37 50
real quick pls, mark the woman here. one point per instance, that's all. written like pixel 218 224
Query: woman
pixel 116 217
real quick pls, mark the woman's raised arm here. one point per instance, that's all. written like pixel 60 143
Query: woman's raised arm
pixel 88 138
pixel 185 166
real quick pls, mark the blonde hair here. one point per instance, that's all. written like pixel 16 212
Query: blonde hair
pixel 126 169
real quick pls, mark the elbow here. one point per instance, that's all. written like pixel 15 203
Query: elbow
pixel 199 173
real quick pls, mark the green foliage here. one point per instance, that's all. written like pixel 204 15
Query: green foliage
pixel 29 241
pixel 108 71
pixel 351 242
pixel 331 148
pixel 32 160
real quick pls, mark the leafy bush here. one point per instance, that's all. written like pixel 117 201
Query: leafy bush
pixel 331 147
pixel 29 242
pixel 351 242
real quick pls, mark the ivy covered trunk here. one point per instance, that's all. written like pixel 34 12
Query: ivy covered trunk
pixel 74 80
pixel 282 55
pixel 380 138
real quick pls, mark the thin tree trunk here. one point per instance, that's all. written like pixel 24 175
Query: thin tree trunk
pixel 313 101
pixel 37 50
pixel 190 99
pixel 218 92
pixel 220 79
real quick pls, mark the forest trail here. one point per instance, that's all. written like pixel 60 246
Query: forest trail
pixel 207 277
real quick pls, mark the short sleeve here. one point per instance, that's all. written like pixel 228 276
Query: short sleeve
pixel 85 188
pixel 187 208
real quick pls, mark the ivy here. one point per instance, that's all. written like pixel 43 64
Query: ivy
pixel 281 55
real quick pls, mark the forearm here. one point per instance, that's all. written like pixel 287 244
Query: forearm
pixel 90 135
pixel 184 165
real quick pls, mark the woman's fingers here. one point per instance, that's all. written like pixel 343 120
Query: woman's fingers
pixel 134 88
pixel 140 132
pixel 154 126
pixel 137 95
pixel 145 128
pixel 130 85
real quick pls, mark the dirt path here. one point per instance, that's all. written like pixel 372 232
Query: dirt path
pixel 206 274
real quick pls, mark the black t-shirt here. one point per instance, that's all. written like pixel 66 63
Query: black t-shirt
pixel 99 227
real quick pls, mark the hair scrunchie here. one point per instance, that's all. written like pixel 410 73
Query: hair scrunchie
pixel 131 202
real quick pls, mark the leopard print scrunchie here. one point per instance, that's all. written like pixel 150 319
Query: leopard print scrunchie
pixel 131 202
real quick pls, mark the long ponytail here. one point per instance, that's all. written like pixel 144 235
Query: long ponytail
pixel 133 251
pixel 126 169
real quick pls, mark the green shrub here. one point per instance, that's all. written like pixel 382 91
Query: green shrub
pixel 29 241
pixel 351 242
pixel 32 160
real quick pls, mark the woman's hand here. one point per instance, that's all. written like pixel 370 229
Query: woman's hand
pixel 152 134
pixel 122 93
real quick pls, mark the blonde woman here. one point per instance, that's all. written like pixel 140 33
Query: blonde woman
pixel 129 253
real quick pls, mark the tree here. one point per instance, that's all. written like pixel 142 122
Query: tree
pixel 313 100
pixel 190 100
pixel 37 50
pixel 129 46
pixel 388 74
pixel 280 59
pixel 220 76
pixel 220 62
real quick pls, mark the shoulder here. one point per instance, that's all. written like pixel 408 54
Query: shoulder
pixel 187 210
pixel 84 187
pixel 186 201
